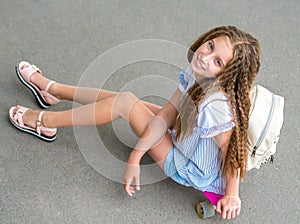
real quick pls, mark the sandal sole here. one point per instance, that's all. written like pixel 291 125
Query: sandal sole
pixel 28 129
pixel 42 137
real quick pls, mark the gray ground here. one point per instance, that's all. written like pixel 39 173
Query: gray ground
pixel 56 183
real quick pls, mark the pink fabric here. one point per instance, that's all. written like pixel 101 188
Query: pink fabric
pixel 212 197
pixel 27 72
pixel 17 119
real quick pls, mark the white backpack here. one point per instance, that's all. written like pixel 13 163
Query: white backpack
pixel 265 122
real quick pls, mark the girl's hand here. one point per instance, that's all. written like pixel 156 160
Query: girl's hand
pixel 229 206
pixel 132 172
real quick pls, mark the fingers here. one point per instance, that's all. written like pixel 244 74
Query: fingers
pixel 130 189
pixel 226 211
pixel 218 209
pixel 137 183
pixel 228 215
pixel 238 211
pixel 233 214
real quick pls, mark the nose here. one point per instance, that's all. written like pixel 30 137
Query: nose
pixel 206 58
pixel 205 61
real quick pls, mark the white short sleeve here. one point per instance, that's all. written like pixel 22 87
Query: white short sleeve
pixel 214 116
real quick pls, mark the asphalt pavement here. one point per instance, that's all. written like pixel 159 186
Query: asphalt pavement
pixel 137 46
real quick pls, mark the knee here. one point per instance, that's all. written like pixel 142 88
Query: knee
pixel 124 103
pixel 128 97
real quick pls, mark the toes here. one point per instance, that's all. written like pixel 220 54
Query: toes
pixel 16 109
pixel 13 113
pixel 23 66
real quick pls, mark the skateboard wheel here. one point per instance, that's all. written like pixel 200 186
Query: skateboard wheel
pixel 205 209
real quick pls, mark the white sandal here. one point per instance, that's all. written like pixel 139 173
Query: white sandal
pixel 44 133
pixel 43 97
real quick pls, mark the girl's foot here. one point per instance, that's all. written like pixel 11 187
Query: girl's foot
pixel 42 88
pixel 31 122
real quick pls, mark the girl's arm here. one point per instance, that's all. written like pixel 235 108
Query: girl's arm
pixel 230 205
pixel 160 123
pixel 156 130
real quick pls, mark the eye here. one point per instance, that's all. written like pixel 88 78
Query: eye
pixel 210 45
pixel 219 62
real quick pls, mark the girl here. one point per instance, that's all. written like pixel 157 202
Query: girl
pixel 198 138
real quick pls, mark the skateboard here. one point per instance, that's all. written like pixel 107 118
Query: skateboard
pixel 207 208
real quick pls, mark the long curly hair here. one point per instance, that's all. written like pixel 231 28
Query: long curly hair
pixel 235 81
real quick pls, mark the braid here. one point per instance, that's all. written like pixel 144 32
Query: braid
pixel 235 81
pixel 245 65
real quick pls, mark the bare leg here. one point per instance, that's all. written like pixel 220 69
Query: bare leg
pixel 81 95
pixel 123 105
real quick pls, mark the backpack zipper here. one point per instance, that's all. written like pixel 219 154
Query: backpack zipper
pixel 264 132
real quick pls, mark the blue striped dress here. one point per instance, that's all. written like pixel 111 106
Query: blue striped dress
pixel 197 158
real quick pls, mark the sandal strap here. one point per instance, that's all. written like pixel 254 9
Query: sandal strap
pixel 48 95
pixel 49 85
pixel 40 128
pixel 29 70
pixel 25 71
pixel 36 69
pixel 19 115
pixel 39 123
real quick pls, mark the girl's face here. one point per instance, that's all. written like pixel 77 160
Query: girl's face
pixel 212 57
